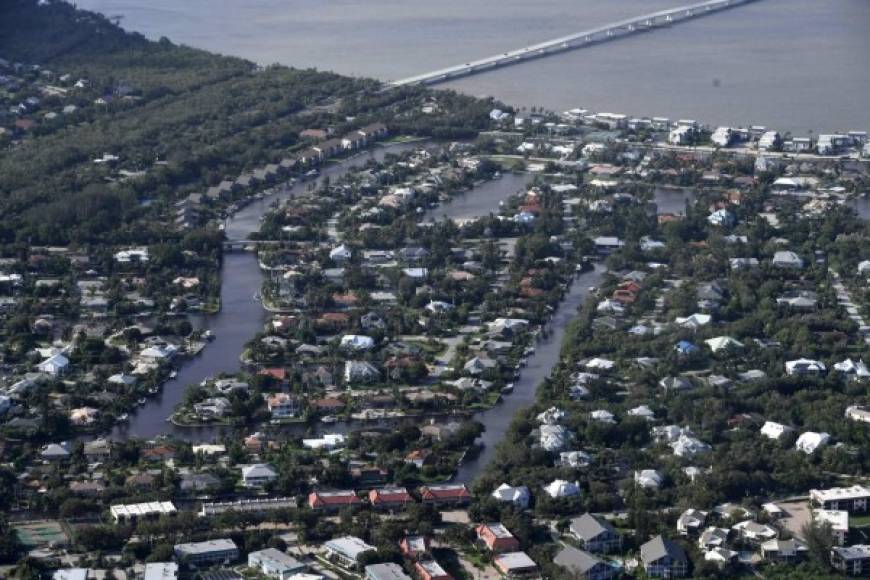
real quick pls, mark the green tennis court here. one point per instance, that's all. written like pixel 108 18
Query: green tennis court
pixel 40 534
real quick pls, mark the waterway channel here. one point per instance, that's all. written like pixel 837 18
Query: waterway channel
pixel 242 316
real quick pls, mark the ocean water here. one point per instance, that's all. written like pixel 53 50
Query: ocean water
pixel 797 65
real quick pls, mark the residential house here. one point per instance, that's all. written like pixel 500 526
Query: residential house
pixel 852 560
pixel 663 558
pixel 596 534
pixel 386 571
pixel 346 550
pixel 782 550
pixel 497 538
pixel 854 499
pixel 203 554
pixel 691 522
pixel 275 564
pixel 515 565
pixel 430 570
pixel 445 495
pixel 258 475
pixel 282 405
pixel 754 532
pixel 519 496
pixel 390 498
pixel 583 565
pixel 333 500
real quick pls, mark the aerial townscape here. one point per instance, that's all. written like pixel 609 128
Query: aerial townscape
pixel 261 322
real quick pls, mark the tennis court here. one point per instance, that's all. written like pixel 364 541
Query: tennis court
pixel 38 534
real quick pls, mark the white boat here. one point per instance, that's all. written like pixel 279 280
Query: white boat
pixel 508 388
pixel 208 335
pixel 142 401
pixel 329 419
pixel 123 418
pixel 173 374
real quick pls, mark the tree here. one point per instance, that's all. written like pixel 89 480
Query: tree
pixel 820 540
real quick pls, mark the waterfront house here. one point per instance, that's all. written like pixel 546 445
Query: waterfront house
pixel 282 405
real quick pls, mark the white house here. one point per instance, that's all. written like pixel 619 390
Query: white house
pixel 258 474
pixel 519 496
pixel 275 564
pixel 723 343
pixel 648 478
pixel 553 437
pixel 56 365
pixel 804 366
pixel 787 259
pixel 562 488
pixel 810 441
pixel 340 254
pixel 774 430
pixel 858 413
pixel 357 342
pixel 691 521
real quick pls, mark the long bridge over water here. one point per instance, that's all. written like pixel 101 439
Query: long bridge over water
pixel 574 41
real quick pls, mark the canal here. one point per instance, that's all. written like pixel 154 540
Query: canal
pixel 480 201
pixel 242 316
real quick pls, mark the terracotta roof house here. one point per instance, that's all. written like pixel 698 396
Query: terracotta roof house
pixel 497 538
pixel 448 494
pixel 390 498
pixel 332 500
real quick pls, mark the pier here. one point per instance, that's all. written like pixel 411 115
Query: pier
pixel 574 41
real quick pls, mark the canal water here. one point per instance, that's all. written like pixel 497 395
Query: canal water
pixel 480 201
pixel 496 421
pixel 240 318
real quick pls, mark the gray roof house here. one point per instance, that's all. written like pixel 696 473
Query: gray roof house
pixel 663 558
pixel 583 564
pixel 596 533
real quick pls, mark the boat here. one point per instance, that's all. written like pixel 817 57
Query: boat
pixel 123 417
pixel 508 388
pixel 312 173
pixel 142 401
pixel 208 335
pixel 328 419
pixel 173 374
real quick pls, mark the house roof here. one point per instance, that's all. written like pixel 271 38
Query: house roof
pixel 576 561
pixel 589 527
pixel 660 547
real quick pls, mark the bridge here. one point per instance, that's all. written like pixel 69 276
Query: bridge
pixel 573 41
